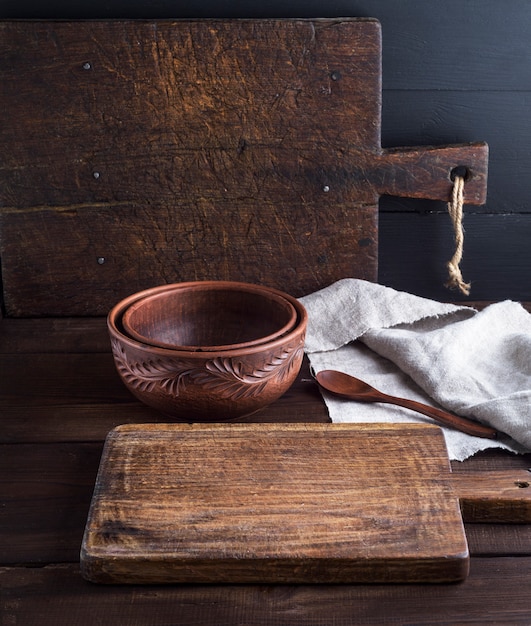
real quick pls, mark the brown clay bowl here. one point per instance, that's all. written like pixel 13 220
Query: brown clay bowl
pixel 218 385
pixel 209 316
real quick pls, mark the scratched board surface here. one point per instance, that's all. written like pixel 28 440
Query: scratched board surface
pixel 285 503
pixel 137 153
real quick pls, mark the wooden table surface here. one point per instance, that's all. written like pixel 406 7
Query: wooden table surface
pixel 59 397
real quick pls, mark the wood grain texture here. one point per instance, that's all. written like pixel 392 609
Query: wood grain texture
pixel 61 335
pixel 197 150
pixel 274 503
pixel 50 485
pixel 183 151
pixel 452 72
pixel 45 493
pixel 495 496
pixel 478 44
pixel 46 487
pixel 57 594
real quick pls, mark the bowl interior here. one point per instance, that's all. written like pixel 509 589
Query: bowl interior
pixel 209 316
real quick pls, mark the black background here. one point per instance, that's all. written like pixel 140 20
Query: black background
pixel 453 71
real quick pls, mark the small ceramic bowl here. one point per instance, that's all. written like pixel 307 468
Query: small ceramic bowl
pixel 217 385
pixel 209 316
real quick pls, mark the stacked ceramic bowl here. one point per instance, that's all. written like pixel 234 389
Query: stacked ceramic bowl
pixel 208 350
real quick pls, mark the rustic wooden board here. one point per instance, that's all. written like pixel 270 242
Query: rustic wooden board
pixel 49 486
pixel 137 153
pixel 274 503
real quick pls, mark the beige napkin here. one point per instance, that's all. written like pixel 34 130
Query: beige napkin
pixel 476 364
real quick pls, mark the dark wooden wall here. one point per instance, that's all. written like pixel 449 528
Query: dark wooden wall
pixel 453 71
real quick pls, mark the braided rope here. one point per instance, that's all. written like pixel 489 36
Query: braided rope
pixel 455 209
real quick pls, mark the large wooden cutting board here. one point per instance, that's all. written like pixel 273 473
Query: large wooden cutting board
pixel 282 503
pixel 136 153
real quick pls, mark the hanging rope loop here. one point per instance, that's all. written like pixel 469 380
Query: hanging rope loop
pixel 455 209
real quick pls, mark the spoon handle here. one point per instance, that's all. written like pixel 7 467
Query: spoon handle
pixel 455 421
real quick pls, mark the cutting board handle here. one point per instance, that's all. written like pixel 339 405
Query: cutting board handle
pixel 428 171
pixel 497 496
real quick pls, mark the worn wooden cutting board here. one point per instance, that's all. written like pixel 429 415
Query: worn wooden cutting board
pixel 141 152
pixel 272 503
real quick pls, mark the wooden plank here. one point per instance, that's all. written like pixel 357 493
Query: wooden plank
pixel 55 380
pixel 459 44
pixel 183 150
pixel 171 250
pixel 493 459
pixel 255 71
pixel 488 540
pixel 471 55
pixel 54 335
pixel 233 503
pixel 496 259
pixel 45 491
pixel 473 45
pixel 493 594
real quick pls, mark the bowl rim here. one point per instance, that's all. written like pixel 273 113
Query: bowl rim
pixel 205 286
pixel 114 324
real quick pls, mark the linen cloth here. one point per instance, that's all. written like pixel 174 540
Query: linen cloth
pixel 473 363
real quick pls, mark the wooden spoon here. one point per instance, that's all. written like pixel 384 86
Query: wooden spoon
pixel 347 386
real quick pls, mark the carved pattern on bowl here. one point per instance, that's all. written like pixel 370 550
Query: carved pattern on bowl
pixel 231 378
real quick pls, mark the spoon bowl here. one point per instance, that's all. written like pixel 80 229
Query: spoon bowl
pixel 351 388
